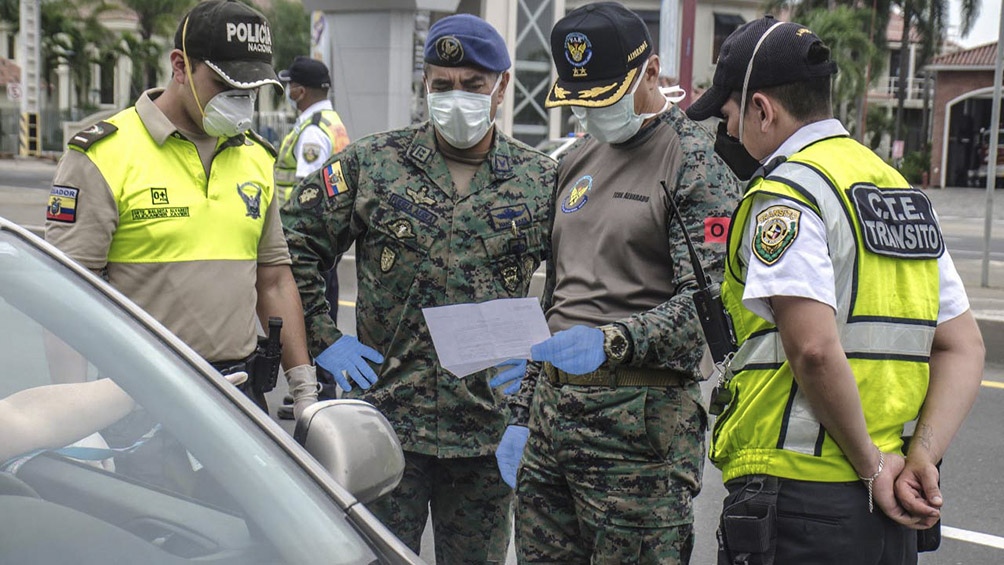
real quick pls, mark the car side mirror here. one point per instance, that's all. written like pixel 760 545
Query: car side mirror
pixel 355 443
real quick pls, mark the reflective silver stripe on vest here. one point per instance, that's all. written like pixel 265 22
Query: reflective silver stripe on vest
pixel 802 430
pixel 857 338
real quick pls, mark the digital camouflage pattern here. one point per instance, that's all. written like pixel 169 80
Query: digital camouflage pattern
pixel 478 519
pixel 628 447
pixel 418 244
pixel 608 474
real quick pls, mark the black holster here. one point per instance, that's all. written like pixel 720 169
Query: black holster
pixel 263 367
pixel 747 533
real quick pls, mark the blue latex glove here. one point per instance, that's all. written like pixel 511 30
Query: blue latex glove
pixel 510 452
pixel 513 374
pixel 347 357
pixel 577 350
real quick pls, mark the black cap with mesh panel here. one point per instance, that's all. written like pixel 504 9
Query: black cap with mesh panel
pixel 783 58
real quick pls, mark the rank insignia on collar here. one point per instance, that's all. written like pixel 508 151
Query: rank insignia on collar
pixel 309 197
pixel 501 164
pixel 420 196
pixel 420 153
pixel 387 257
pixel 776 230
pixel 401 228
pixel 250 193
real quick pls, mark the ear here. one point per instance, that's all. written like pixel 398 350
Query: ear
pixel 652 70
pixel 503 84
pixel 177 66
pixel 764 108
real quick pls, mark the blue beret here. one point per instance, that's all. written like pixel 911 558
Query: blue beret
pixel 463 40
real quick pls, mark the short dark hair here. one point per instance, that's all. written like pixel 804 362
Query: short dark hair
pixel 806 101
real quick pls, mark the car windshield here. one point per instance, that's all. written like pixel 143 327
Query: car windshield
pixel 176 471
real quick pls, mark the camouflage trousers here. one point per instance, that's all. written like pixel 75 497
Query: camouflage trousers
pixel 471 508
pixel 608 475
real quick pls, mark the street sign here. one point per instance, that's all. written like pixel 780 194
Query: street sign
pixel 13 91
pixel 897 149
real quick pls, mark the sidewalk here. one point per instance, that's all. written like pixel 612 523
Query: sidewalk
pixel 961 211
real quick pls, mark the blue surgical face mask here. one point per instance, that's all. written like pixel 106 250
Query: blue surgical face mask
pixel 462 118
pixel 618 122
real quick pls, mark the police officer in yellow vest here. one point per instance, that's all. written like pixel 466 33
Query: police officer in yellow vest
pixel 851 321
pixel 317 135
pixel 173 200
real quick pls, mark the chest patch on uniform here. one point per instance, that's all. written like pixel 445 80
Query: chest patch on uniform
pixel 309 197
pixel 510 217
pixel 311 152
pixel 776 230
pixel 414 210
pixel 158 196
pixel 420 196
pixel 387 258
pixel 250 193
pixel 509 273
pixel 897 222
pixel 577 196
pixel 401 228
pixel 62 205
pixel 334 181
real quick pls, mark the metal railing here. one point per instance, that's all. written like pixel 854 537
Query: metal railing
pixel 890 87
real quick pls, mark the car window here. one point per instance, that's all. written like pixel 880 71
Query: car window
pixel 146 461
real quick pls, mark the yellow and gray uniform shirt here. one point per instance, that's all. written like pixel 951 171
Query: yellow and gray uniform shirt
pixel 837 225
pixel 317 135
pixel 131 196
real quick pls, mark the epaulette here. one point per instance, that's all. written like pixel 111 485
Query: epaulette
pixel 85 138
pixel 262 141
pixel 768 168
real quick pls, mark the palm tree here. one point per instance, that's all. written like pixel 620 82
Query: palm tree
pixel 154 18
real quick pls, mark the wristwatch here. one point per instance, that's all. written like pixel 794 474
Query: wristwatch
pixel 616 343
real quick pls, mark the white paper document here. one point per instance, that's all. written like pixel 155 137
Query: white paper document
pixel 473 337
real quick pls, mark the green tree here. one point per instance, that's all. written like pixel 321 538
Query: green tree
pixel 154 18
pixel 290 31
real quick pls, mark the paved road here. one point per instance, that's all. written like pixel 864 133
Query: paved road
pixel 972 471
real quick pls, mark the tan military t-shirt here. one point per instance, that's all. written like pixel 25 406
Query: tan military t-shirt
pixel 210 305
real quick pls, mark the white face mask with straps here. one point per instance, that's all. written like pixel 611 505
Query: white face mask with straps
pixel 616 123
pixel 746 80
pixel 462 118
pixel 227 114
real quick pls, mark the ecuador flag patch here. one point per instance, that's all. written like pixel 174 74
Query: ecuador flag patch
pixel 62 204
pixel 334 182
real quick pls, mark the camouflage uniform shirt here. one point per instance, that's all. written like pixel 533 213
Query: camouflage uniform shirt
pixel 420 243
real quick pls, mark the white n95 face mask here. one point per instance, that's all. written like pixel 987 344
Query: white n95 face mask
pixel 616 123
pixel 229 113
pixel 462 118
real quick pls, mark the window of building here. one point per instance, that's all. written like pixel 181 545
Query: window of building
pixel 725 24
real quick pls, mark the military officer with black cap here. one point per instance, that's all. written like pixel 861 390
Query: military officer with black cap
pixel 851 321
pixel 611 402
pixel 447 211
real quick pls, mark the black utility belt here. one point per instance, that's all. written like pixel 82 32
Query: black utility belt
pixel 617 376
pixel 231 367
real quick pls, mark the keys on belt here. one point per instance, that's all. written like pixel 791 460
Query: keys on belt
pixel 620 376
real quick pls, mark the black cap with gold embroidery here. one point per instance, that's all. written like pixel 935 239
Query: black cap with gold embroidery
pixel 597 50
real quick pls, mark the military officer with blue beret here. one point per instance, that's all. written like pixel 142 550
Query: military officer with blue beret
pixel 447 211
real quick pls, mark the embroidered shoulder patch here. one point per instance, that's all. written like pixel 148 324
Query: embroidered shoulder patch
pixel 776 230
pixel 311 152
pixel 62 205
pixel 334 182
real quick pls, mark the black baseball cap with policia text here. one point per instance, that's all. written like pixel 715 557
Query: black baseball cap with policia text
pixel 597 50
pixel 789 53
pixel 233 39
